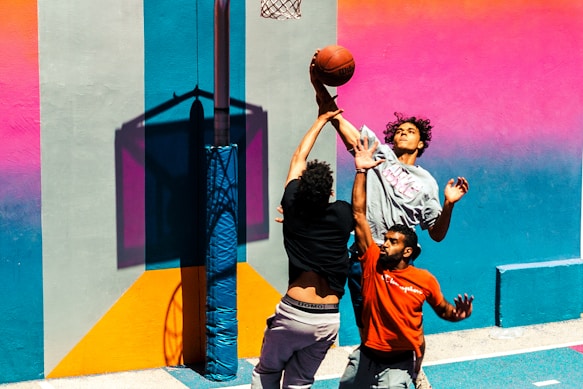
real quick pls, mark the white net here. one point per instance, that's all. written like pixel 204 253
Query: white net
pixel 281 9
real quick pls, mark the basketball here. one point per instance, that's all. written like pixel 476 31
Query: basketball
pixel 334 65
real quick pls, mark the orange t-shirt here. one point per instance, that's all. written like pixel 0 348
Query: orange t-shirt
pixel 392 304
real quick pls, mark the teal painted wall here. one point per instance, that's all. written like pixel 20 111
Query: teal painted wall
pixel 541 292
pixel 87 145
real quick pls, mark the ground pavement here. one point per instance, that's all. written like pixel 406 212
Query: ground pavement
pixel 546 355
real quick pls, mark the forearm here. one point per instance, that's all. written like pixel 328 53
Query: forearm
pixel 362 233
pixel 300 156
pixel 347 132
pixel 307 143
pixel 359 195
pixel 462 309
pixel 362 162
pixel 439 230
pixel 447 312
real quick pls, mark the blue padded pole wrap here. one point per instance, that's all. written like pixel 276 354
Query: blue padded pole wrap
pixel 221 264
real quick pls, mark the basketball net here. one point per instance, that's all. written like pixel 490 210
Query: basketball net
pixel 281 9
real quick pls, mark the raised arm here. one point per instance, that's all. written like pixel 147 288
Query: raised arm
pixel 300 156
pixel 462 309
pixel 453 193
pixel 348 133
pixel 362 162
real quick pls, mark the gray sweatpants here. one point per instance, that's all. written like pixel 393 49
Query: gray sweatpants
pixel 363 372
pixel 295 342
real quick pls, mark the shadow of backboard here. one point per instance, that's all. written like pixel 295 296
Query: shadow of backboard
pixel 160 179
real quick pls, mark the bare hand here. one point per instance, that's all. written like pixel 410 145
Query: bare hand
pixel 313 77
pixel 363 155
pixel 280 210
pixel 454 192
pixel 323 98
pixel 463 306
pixel 329 112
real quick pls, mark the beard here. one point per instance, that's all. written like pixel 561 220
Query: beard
pixel 388 261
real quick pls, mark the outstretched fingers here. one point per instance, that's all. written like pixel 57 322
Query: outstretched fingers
pixel 363 154
pixel 455 190
pixel 462 184
pixel 463 306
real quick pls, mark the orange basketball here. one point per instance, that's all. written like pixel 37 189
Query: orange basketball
pixel 334 65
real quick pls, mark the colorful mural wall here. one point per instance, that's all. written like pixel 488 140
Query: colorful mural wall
pixel 21 279
pixel 104 106
pixel 500 82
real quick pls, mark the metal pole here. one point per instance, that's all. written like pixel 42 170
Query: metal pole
pixel 222 121
pixel 221 219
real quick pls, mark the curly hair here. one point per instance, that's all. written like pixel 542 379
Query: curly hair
pixel 411 239
pixel 315 186
pixel 424 126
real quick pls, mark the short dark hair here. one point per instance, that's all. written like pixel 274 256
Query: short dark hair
pixel 411 239
pixel 424 126
pixel 315 186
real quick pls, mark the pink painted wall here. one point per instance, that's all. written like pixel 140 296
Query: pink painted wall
pixel 19 90
pixel 489 73
pixel 501 82
pixel 21 283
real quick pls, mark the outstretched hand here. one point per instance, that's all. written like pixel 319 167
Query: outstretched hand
pixel 456 190
pixel 463 306
pixel 323 98
pixel 363 155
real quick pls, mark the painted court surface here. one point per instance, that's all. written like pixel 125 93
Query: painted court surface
pixel 538 356
pixel 551 368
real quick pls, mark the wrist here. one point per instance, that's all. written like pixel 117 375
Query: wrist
pixel 448 204
pixel 361 170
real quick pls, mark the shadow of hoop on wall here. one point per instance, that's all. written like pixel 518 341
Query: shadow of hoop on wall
pixel 160 187
pixel 183 340
pixel 157 183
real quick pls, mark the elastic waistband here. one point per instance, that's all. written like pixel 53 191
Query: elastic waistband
pixel 310 307
pixel 387 357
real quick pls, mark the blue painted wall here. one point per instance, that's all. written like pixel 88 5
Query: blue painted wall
pixel 179 57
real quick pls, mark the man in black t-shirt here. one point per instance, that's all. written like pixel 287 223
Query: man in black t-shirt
pixel 316 233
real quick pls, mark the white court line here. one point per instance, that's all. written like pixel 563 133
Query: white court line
pixel 502 354
pixel 546 383
pixel 327 377
pixel 45 385
pixel 473 357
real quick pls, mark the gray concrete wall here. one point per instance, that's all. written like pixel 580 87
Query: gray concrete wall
pixel 278 56
pixel 91 83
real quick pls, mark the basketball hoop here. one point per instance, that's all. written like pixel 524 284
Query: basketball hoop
pixel 281 9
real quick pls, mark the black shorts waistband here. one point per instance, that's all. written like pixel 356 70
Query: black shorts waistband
pixel 310 307
pixel 387 358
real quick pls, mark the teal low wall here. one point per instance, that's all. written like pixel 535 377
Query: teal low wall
pixel 543 292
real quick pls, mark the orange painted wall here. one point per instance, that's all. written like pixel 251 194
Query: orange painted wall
pixel 160 321
pixel 256 302
pixel 147 327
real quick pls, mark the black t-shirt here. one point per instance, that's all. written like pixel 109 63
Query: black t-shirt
pixel 317 242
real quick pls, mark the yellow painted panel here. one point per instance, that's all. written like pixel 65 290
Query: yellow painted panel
pixel 256 300
pixel 160 321
pixel 146 327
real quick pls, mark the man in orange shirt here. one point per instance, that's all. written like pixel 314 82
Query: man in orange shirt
pixel 393 296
